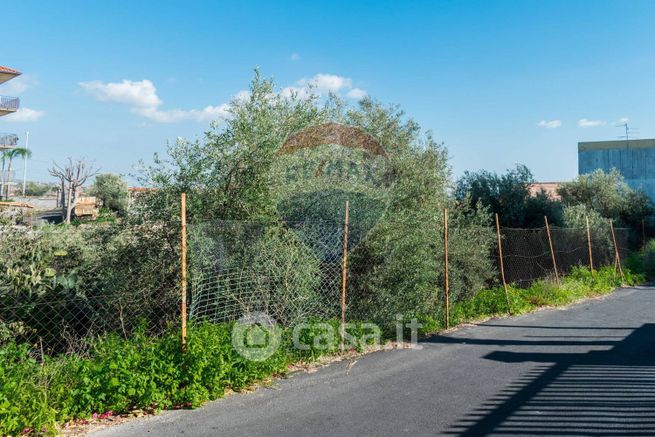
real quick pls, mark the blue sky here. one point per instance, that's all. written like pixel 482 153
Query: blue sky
pixel 114 81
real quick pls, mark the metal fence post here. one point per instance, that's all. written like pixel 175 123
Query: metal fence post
pixel 617 255
pixel 344 275
pixel 552 251
pixel 591 258
pixel 183 259
pixel 502 265
pixel 445 246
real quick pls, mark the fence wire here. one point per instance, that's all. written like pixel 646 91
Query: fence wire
pixel 53 300
pixel 292 271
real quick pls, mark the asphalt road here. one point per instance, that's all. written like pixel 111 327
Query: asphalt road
pixel 585 370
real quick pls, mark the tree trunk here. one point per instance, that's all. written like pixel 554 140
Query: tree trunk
pixel 2 176
pixel 62 197
pixel 69 206
pixel 8 179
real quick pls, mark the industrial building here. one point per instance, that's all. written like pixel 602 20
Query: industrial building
pixel 634 159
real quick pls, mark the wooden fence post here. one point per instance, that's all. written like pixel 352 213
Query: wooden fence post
pixel 445 249
pixel 617 255
pixel 552 251
pixel 344 274
pixel 502 265
pixel 183 310
pixel 591 258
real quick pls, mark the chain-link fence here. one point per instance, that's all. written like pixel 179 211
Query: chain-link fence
pixel 61 287
pixel 118 279
pixel 527 253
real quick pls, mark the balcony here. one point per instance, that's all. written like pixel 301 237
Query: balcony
pixel 8 105
pixel 8 141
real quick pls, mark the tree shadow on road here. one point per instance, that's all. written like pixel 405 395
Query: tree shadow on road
pixel 597 393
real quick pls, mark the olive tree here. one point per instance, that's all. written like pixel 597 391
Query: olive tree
pixel 111 189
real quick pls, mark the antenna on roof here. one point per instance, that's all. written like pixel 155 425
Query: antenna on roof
pixel 629 133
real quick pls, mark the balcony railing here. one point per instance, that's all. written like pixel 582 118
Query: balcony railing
pixel 8 140
pixel 9 103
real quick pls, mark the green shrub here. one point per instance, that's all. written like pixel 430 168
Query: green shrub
pixel 142 372
pixel 643 261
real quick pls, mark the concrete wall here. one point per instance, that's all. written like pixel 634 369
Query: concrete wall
pixel 634 159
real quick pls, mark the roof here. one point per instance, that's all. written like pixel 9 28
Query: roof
pixel 550 188
pixel 618 144
pixel 8 70
pixel 140 189
pixel 7 73
pixel 16 204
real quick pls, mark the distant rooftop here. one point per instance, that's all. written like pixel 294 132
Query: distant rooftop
pixel 550 188
pixel 7 73
pixel 618 144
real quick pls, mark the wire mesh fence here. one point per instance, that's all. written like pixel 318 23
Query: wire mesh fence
pixel 58 295
pixel 292 271
pixel 527 254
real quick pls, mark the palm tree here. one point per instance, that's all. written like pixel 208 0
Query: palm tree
pixel 9 155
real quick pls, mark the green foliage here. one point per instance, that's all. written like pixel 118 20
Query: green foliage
pixel 89 276
pixel 643 261
pixel 228 174
pixel 111 189
pixel 579 284
pixel 508 196
pixel 609 195
pixel 37 189
pixel 576 216
pixel 142 373
pixel 398 267
pixel 152 373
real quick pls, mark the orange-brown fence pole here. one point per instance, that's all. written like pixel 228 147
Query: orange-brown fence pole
pixel 183 310
pixel 445 250
pixel 552 251
pixel 617 255
pixel 344 275
pixel 591 258
pixel 502 264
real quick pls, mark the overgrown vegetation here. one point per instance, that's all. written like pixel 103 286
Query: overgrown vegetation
pixel 111 189
pixel 151 373
pixel 37 189
pixel 79 304
pixel 602 195
pixel 143 372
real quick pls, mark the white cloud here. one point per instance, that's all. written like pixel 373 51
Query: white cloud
pixel 134 93
pixel 623 120
pixel 208 113
pixel 295 57
pixel 141 97
pixel 586 123
pixel 301 93
pixel 322 84
pixel 356 93
pixel 24 115
pixel 550 124
pixel 325 83
pixel 242 96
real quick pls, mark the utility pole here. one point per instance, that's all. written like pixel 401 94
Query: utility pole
pixel 27 143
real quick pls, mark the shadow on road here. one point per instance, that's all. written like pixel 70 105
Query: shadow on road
pixel 596 393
